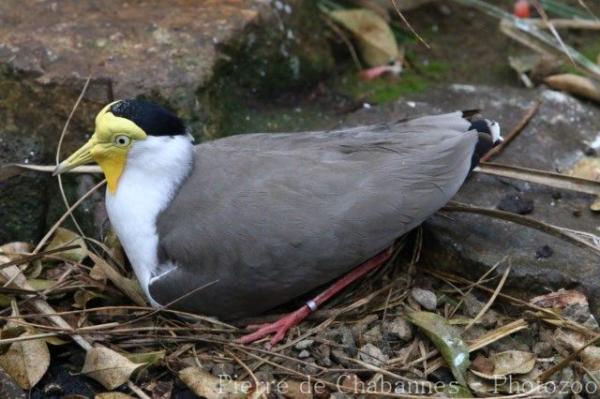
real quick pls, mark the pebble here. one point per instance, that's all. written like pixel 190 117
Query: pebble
pixel 544 252
pixel 399 328
pixel 371 354
pixel 543 349
pixel 304 344
pixel 516 203
pixel 374 335
pixel 425 298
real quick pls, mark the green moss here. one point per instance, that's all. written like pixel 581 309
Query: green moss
pixel 389 89
pixel 267 62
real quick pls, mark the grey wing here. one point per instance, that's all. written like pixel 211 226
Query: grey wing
pixel 267 217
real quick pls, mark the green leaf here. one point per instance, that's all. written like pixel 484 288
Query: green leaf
pixel 446 340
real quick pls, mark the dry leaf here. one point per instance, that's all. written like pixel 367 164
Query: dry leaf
pixel 575 84
pixel 64 237
pixel 588 168
pixel 112 395
pixel 206 385
pixel 26 362
pixel 109 368
pixel 82 297
pixel 297 390
pixel 261 392
pixel 10 331
pixel 375 39
pixel 508 363
pixel 591 358
pixel 146 357
pixel 16 248
pixel 97 273
pixel 513 362
pixel 560 299
pixel 129 287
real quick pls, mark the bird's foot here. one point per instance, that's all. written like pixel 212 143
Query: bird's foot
pixel 280 327
pixel 283 325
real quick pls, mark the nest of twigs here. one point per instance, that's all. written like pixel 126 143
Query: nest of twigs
pixel 405 331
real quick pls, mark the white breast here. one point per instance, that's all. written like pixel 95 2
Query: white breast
pixel 154 170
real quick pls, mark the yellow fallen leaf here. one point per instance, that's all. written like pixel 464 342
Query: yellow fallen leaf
pixel 112 395
pixel 376 41
pixel 16 248
pixel 26 361
pixel 129 287
pixel 588 168
pixel 65 237
pixel 109 368
pixel 575 84
pixel 206 385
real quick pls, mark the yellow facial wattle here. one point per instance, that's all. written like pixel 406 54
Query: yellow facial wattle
pixel 108 146
pixel 112 161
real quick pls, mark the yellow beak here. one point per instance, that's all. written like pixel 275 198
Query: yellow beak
pixel 80 157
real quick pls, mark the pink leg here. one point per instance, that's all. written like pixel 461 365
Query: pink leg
pixel 283 325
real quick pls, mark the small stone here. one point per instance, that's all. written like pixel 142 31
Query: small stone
pixel 544 252
pixel 340 357
pixel 592 389
pixel 399 328
pixel 304 344
pixel 591 358
pixel 580 313
pixel 53 389
pixel 374 335
pixel 348 341
pixel 516 203
pixel 322 355
pixel 425 298
pixel 303 354
pixel 371 354
pixel 223 369
pixel 351 382
pixel 542 349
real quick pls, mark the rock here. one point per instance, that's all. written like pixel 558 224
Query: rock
pixel 516 203
pixel 373 335
pixel 304 344
pixel 542 349
pixel 580 313
pixel 544 252
pixel 187 56
pixel 348 341
pixel 473 307
pixel 340 357
pixel 322 355
pixel 399 328
pixel 223 369
pixel 590 384
pixel 371 354
pixel 591 358
pixel 425 298
pixel 469 244
pixel 9 388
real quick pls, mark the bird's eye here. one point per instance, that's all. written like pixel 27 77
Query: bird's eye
pixel 122 140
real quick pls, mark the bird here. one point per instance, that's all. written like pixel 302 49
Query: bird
pixel 237 226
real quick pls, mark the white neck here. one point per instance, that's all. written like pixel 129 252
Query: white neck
pixel 155 168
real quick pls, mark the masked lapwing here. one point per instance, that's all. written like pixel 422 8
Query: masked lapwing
pixel 258 219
